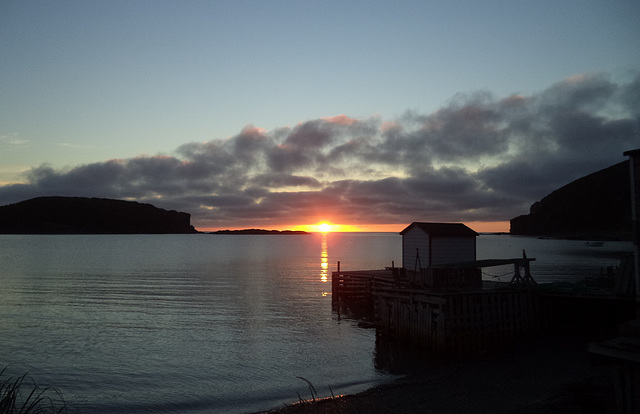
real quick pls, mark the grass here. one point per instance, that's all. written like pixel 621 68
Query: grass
pixel 312 390
pixel 318 405
pixel 18 397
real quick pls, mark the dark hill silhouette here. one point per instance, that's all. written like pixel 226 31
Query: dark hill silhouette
pixel 79 215
pixel 597 206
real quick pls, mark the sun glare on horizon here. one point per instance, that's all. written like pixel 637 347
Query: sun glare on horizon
pixel 326 227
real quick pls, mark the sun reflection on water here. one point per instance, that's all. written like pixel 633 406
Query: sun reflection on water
pixel 324 259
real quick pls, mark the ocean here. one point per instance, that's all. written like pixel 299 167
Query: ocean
pixel 209 323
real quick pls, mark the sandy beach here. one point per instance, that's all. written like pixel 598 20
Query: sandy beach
pixel 552 375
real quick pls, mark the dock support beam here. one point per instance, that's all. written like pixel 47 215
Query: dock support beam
pixel 517 279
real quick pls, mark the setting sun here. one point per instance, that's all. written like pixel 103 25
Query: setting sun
pixel 326 227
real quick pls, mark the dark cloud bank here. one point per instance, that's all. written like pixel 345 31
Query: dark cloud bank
pixel 480 158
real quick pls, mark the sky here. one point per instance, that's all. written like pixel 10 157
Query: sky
pixel 282 114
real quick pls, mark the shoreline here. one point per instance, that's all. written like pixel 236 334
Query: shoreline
pixel 547 375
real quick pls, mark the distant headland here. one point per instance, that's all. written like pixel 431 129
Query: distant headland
pixel 81 215
pixel 259 231
pixel 594 207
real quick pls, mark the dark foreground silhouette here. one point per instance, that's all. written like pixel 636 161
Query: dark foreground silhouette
pixel 553 375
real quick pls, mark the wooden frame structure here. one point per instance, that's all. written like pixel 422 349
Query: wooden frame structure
pixel 446 317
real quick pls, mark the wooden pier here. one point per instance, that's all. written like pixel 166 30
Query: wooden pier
pixel 458 321
pixel 446 308
pixel 465 316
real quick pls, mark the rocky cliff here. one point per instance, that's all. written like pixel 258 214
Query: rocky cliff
pixel 597 206
pixel 78 215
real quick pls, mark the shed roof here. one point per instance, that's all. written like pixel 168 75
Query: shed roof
pixel 442 229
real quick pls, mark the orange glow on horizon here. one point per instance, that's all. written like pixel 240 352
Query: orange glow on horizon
pixel 328 227
pixel 489 226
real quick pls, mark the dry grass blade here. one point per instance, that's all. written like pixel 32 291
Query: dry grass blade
pixel 312 389
pixel 12 400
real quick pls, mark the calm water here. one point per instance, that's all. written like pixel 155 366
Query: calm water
pixel 210 323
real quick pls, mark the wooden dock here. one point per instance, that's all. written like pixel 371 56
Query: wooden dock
pixel 464 316
pixel 458 322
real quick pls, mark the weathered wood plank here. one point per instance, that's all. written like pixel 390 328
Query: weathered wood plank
pixel 443 321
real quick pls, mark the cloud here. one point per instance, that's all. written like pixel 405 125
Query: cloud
pixel 13 139
pixel 341 120
pixel 478 158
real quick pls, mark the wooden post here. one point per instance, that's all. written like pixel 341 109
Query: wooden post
pixel 634 170
pixel 335 279
pixel 527 273
pixel 516 274
pixel 417 265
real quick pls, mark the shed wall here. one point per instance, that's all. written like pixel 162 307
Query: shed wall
pixel 452 250
pixel 442 249
pixel 414 239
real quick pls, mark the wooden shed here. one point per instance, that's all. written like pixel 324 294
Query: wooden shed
pixel 429 244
